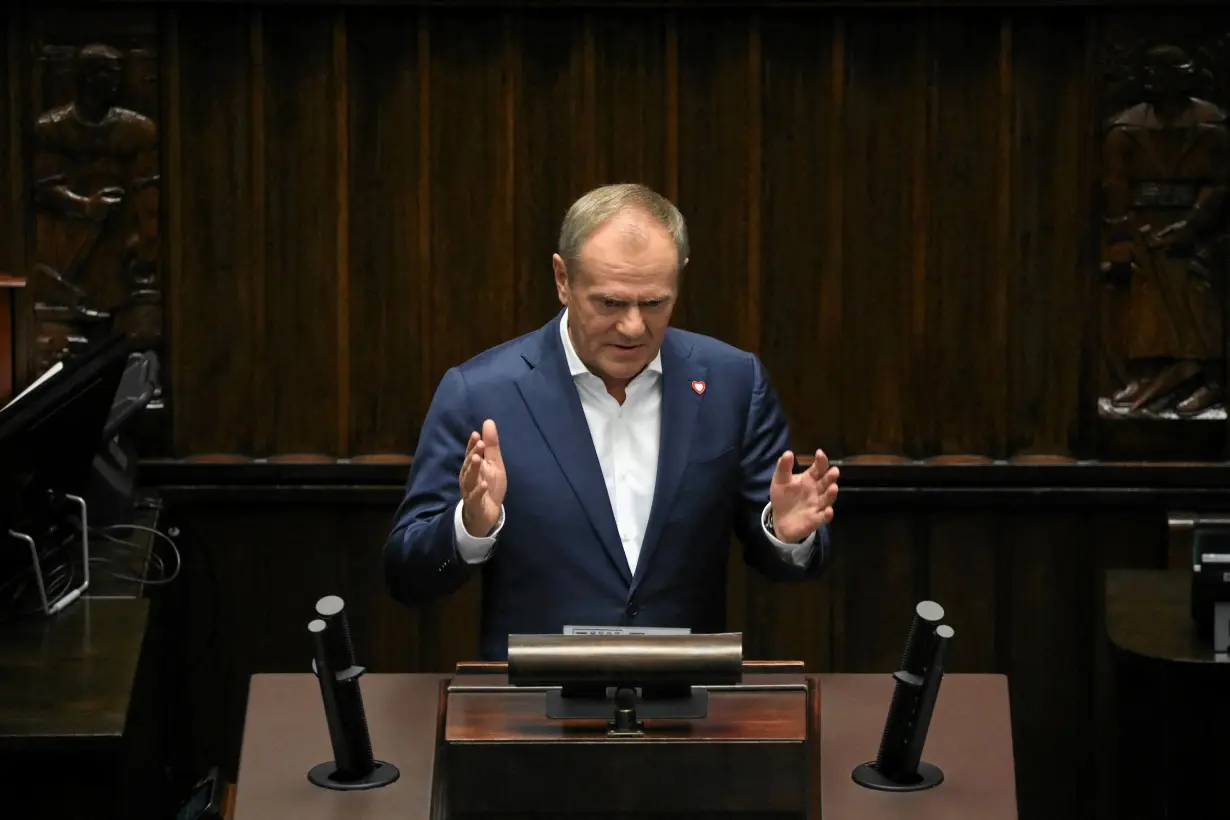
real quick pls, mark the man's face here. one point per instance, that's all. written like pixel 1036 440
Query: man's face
pixel 621 296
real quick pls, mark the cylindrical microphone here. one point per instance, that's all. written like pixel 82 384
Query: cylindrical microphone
pixel 911 755
pixel 890 758
pixel 348 732
pixel 332 610
pixel 920 643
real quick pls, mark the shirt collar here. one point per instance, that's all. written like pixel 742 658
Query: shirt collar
pixel 577 368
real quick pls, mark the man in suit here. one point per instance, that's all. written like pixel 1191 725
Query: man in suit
pixel 594 469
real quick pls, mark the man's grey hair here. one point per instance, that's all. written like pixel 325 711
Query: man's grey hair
pixel 600 205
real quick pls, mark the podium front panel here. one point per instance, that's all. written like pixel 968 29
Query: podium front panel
pixel 748 758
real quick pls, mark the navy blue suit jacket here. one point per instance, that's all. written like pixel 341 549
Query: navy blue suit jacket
pixel 558 559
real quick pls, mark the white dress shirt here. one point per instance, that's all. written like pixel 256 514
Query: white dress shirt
pixel 626 438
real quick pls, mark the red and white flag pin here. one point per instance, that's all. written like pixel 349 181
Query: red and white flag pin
pixel 699 387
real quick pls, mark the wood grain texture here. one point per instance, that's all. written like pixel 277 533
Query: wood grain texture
pixel 897 212
pixel 518 717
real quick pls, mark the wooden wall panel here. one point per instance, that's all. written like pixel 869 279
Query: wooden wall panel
pixel 636 101
pixel 215 178
pixel 555 120
pixel 390 224
pixel 1047 254
pixel 961 385
pixel 11 150
pixel 802 96
pixel 472 112
pixel 898 211
pixel 306 270
pixel 719 161
pixel 883 335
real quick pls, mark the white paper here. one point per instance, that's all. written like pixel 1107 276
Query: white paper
pixel 625 630
pixel 51 371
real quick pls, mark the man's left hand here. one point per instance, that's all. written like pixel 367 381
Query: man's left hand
pixel 802 502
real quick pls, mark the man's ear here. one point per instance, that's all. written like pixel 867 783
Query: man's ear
pixel 561 278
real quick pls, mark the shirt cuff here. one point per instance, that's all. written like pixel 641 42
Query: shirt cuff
pixel 797 554
pixel 474 550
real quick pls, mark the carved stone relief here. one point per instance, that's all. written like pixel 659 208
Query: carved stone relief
pixel 96 199
pixel 1164 261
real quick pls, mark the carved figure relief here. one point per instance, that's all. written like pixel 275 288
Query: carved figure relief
pixel 1165 168
pixel 96 196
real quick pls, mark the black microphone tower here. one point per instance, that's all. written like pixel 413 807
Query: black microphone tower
pixel 353 766
pixel 899 766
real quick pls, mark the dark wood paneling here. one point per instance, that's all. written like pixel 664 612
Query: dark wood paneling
pixel 802 99
pixel 389 221
pixel 718 103
pixel 305 396
pixel 216 237
pixel 1047 256
pixel 898 211
pixel 884 100
pixel 961 275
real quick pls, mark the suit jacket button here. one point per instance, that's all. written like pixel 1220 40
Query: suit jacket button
pixel 632 611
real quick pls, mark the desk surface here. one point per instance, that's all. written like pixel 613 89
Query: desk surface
pixel 285 735
pixel 970 740
pixel 66 681
pixel 1148 614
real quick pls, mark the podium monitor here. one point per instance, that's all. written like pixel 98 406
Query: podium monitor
pixel 49 435
pixel 50 432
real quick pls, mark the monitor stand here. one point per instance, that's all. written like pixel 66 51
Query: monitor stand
pixel 60 603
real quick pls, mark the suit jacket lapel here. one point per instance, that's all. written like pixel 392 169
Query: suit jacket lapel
pixel 551 396
pixel 680 403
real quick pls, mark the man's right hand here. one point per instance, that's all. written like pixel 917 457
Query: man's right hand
pixel 483 482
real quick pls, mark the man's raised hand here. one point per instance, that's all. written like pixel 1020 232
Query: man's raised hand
pixel 482 481
pixel 802 502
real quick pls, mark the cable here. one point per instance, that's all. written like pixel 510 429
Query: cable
pixel 60 568
pixel 151 555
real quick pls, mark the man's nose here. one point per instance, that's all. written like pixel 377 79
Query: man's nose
pixel 632 324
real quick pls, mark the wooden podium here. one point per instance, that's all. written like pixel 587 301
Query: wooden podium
pixel 1170 697
pixel 750 757
pixel 438 740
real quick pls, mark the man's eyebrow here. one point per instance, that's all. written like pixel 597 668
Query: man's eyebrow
pixel 610 297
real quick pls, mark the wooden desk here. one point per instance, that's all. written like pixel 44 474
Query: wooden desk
pixel 285 735
pixel 67 679
pixel 10 287
pixel 68 686
pixel 970 740
pixel 1170 693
